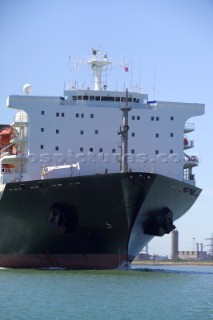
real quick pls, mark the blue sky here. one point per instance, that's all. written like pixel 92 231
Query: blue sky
pixel 171 38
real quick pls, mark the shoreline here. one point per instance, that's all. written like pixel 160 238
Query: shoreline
pixel 173 263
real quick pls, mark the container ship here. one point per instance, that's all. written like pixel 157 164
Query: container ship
pixel 90 177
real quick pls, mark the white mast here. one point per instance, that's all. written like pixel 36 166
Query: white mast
pixel 97 67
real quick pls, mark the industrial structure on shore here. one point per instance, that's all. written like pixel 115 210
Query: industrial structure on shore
pixel 196 254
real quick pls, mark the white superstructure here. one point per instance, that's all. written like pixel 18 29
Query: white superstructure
pixel 78 134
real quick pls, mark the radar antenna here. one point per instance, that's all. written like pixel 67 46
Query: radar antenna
pixel 97 67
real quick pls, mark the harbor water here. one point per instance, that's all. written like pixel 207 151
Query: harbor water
pixel 148 293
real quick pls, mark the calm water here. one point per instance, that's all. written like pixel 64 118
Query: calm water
pixel 141 293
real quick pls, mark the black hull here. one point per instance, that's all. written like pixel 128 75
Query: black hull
pixel 99 221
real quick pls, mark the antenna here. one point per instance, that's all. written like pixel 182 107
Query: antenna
pixel 154 87
pixel 139 75
pixel 69 72
pixel 131 75
pixel 97 67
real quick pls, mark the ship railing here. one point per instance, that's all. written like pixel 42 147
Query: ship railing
pixel 191 161
pixel 12 171
pixel 21 119
pixel 188 176
pixel 188 143
pixel 21 136
pixel 21 116
pixel 6 153
pixel 87 89
pixel 189 127
pixel 8 178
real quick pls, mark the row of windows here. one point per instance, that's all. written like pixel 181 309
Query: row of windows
pixel 56 148
pixel 91 150
pixel 57 114
pixel 157 151
pixel 158 118
pixel 81 149
pixel 152 118
pixel 78 115
pixel 81 132
pixel 187 252
pixel 105 98
pixel 101 150
pixel 156 135
pixel 155 118
pixel 134 117
pixel 96 132
pixel 56 131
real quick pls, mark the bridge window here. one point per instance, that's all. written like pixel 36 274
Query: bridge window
pixel 107 98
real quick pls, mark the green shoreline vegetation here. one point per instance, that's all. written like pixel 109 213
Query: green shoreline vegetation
pixel 174 262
